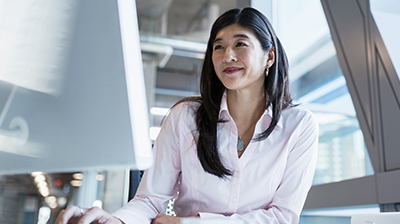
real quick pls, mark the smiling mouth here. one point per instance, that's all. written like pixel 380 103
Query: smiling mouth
pixel 231 70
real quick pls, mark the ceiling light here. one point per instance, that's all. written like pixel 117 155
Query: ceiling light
pixel 159 111
pixel 99 177
pixel 34 174
pixel 50 199
pixel 78 176
pixel 62 201
pixel 40 178
pixel 76 183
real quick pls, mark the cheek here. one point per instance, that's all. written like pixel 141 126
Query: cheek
pixel 246 56
pixel 216 61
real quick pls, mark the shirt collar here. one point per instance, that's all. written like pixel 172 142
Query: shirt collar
pixel 223 106
pixel 224 112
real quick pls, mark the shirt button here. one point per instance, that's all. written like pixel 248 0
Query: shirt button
pixel 233 200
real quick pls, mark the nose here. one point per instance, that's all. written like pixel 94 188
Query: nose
pixel 229 55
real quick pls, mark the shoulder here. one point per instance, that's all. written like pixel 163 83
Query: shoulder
pixel 186 106
pixel 184 110
pixel 298 115
pixel 297 110
pixel 181 118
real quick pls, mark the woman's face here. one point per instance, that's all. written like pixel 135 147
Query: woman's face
pixel 239 61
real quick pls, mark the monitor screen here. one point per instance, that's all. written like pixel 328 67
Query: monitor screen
pixel 72 92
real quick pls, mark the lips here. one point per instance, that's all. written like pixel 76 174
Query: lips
pixel 230 70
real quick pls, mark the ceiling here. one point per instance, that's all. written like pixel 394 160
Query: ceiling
pixel 183 25
pixel 184 18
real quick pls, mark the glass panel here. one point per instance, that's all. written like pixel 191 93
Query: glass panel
pixel 318 84
pixel 386 14
pixel 342 153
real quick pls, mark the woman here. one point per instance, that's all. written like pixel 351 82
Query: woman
pixel 240 151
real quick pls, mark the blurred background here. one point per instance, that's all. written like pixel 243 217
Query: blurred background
pixel 173 36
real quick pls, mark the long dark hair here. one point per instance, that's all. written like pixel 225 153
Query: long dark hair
pixel 276 85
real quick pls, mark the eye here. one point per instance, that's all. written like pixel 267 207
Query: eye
pixel 241 44
pixel 217 47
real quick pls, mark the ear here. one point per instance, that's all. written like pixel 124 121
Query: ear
pixel 271 57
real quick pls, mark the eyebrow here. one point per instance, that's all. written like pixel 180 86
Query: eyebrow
pixel 235 36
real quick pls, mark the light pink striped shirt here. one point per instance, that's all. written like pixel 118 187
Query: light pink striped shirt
pixel 269 184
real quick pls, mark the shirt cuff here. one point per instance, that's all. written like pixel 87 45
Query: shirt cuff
pixel 207 215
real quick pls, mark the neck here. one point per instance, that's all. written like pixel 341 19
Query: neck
pixel 245 108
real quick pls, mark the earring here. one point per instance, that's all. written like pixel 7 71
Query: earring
pixel 266 71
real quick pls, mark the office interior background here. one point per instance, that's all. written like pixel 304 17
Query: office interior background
pixel 344 63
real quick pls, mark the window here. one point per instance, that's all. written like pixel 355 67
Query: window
pixel 386 14
pixel 318 84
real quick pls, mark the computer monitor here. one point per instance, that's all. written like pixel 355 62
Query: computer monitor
pixel 72 92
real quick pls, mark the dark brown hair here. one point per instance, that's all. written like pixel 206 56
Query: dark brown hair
pixel 276 84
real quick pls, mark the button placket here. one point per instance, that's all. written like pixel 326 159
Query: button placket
pixel 235 191
pixel 235 178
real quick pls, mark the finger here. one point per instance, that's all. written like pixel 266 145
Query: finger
pixel 67 214
pixel 95 214
pixel 60 217
pixel 154 220
pixel 160 218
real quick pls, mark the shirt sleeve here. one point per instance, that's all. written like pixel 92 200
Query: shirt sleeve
pixel 291 194
pixel 160 182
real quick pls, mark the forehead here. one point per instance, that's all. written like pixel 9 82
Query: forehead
pixel 234 31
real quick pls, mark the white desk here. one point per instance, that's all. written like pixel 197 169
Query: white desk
pixel 210 221
pixel 379 218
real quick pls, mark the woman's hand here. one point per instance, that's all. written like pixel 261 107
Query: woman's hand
pixel 166 219
pixel 74 214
